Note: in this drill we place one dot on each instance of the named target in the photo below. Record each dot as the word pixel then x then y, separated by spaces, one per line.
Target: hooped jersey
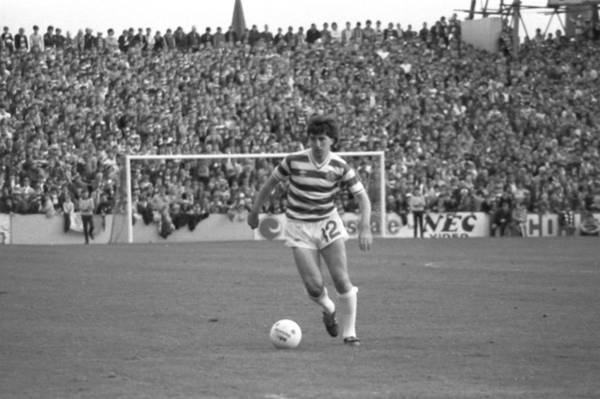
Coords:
pixel 312 186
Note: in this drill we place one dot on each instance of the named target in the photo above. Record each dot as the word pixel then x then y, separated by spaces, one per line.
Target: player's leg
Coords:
pixel 334 255
pixel 306 256
pixel 332 239
pixel 300 237
pixel 307 262
pixel 337 263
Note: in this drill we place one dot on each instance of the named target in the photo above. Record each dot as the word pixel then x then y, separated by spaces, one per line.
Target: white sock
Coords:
pixel 348 312
pixel 324 301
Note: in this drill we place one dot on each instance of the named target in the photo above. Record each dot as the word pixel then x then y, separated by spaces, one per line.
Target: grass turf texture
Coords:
pixel 496 318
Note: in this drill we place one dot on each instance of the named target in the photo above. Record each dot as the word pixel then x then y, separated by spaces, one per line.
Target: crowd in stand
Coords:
pixel 472 131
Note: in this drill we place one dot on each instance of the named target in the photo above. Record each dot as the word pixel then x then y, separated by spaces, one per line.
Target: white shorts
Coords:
pixel 314 235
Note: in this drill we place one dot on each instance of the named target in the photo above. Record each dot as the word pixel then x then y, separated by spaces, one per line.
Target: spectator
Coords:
pixel 59 40
pixel 239 208
pixel 148 41
pixel 49 38
pixel 266 36
pixel 6 40
pixel 86 209
pixel 6 202
pixel 36 41
pixel 357 33
pixel 502 219
pixel 279 40
pixel 111 41
pixel 231 36
pixel 68 208
pixel 21 41
pixel 99 43
pixel 123 41
pixel 390 33
pixel 193 40
pixel 435 108
pixel 89 41
pixel 368 32
pixel 347 34
pixel 158 42
pixel 206 39
pixel 25 198
pixel 378 32
pixel 218 39
pixel 519 218
pixel 325 34
pixel 416 204
pixel 312 34
pixel 290 38
pixel 336 35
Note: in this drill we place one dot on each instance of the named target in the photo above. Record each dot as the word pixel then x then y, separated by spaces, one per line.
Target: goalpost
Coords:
pixel 376 177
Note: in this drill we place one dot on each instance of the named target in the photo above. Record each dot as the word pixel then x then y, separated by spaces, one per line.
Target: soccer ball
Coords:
pixel 285 334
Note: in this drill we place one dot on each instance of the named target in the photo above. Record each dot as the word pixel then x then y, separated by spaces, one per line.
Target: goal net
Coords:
pixel 161 193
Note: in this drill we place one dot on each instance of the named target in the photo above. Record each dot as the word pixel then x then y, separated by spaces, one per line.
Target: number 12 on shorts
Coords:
pixel 330 230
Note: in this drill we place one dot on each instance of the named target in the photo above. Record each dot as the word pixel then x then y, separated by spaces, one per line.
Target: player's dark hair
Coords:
pixel 323 124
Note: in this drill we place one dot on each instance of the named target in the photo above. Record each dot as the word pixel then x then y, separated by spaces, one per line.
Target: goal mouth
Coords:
pixel 233 168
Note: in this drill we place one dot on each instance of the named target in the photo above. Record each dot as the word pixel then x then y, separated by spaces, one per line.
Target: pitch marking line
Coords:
pixel 436 265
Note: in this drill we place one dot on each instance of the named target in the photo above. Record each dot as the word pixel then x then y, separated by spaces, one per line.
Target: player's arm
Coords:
pixel 260 199
pixel 365 238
